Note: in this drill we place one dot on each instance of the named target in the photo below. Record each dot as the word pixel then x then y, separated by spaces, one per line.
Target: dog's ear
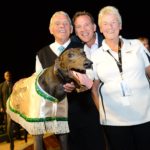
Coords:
pixel 81 50
pixel 61 72
pixel 57 64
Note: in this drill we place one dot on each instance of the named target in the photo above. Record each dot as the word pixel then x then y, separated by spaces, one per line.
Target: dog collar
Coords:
pixel 41 92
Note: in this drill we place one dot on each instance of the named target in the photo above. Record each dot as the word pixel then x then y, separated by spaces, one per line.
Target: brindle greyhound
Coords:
pixel 38 103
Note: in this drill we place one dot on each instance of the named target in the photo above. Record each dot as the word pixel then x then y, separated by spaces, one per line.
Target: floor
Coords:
pixel 50 142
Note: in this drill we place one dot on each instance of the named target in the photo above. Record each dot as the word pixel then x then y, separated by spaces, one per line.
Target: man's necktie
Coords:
pixel 61 49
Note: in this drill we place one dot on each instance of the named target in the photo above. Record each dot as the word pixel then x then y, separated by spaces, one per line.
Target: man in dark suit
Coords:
pixel 85 130
pixel 5 91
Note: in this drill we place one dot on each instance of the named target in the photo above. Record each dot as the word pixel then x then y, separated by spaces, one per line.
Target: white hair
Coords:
pixel 58 13
pixel 109 10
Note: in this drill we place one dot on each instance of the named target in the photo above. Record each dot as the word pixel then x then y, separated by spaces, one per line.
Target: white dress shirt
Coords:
pixel 89 51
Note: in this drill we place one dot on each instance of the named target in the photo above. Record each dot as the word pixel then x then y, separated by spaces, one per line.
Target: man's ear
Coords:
pixel 94 27
pixel 120 26
pixel 50 30
pixel 71 31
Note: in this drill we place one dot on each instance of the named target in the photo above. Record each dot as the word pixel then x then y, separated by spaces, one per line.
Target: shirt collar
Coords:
pixel 95 45
pixel 88 50
pixel 126 45
pixel 64 45
pixel 105 46
pixel 54 46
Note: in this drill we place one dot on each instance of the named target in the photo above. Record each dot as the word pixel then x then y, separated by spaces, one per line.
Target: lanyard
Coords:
pixel 119 63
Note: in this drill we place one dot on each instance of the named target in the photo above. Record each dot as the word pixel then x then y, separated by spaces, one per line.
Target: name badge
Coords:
pixel 125 90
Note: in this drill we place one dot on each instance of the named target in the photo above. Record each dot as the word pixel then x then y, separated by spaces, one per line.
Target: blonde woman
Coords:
pixel 123 99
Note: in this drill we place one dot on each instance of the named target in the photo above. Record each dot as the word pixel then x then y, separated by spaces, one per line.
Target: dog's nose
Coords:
pixel 88 64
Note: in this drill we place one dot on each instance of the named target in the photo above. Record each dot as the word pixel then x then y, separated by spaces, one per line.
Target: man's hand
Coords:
pixel 69 87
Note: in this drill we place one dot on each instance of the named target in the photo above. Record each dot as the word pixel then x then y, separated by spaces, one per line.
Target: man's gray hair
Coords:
pixel 58 13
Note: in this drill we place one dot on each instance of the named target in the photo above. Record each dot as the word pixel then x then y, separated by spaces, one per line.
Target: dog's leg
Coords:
pixel 39 142
pixel 10 132
pixel 25 135
pixel 63 140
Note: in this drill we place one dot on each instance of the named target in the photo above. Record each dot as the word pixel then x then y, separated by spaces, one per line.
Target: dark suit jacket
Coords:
pixel 82 110
pixel 5 91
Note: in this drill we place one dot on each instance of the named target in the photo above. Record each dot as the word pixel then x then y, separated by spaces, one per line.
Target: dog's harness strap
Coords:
pixel 60 75
pixel 41 92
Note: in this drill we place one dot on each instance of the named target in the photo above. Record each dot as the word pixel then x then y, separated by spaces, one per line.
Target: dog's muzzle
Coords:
pixel 88 64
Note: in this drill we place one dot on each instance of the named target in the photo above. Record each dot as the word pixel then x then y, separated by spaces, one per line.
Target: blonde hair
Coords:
pixel 109 10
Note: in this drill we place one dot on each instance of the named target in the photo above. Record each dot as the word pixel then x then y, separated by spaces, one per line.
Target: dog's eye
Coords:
pixel 70 55
pixel 83 53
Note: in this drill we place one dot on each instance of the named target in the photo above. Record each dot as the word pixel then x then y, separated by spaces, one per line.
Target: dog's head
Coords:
pixel 71 61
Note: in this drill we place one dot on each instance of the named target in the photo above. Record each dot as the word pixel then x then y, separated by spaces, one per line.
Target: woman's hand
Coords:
pixel 69 87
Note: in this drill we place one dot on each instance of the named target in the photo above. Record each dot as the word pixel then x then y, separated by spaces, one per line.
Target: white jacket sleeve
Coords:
pixel 38 65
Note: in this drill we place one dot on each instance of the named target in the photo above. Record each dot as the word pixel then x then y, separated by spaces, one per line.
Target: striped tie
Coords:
pixel 60 49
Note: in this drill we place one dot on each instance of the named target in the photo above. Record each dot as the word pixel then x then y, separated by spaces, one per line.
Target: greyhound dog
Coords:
pixel 39 104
